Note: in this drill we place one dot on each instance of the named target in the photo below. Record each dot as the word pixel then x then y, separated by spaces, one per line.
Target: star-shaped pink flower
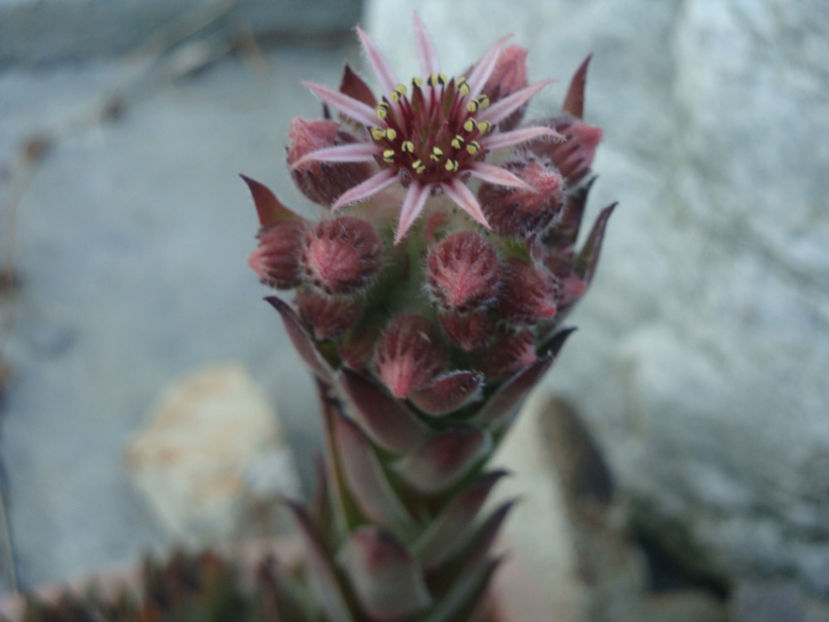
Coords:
pixel 432 135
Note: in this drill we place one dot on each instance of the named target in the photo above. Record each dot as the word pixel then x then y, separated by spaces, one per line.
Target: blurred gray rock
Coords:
pixel 702 358
pixel 212 460
pixel 38 31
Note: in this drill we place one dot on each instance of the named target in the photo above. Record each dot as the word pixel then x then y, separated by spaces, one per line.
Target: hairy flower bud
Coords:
pixel 341 255
pixel 328 316
pixel 508 77
pixel 276 259
pixel 466 330
pixel 567 285
pixel 409 354
pixel 323 182
pixel 462 272
pixel 518 212
pixel 526 295
pixel 507 354
pixel 574 155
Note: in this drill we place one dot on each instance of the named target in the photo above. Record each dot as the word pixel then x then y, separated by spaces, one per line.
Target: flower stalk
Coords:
pixel 428 301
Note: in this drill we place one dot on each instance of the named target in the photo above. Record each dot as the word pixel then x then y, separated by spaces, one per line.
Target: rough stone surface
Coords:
pixel 701 360
pixel 130 240
pixel 212 460
pixel 49 31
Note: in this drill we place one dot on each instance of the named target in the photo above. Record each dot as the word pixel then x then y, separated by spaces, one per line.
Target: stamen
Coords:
pixel 391 134
pixel 470 125
pixel 416 83
pixel 473 147
pixel 418 166
pixel 457 141
pixel 378 133
pixel 407 146
pixel 451 165
pixel 479 103
pixel 484 126
pixel 442 79
pixel 436 154
pixel 463 86
pixel 398 92
pixel 382 110
pixel 388 155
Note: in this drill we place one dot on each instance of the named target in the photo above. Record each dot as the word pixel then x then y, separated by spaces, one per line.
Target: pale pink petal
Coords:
pixel 411 208
pixel 349 106
pixel 425 49
pixel 370 186
pixel 352 152
pixel 460 194
pixel 505 107
pixel 384 73
pixel 515 137
pixel 497 175
pixel 480 73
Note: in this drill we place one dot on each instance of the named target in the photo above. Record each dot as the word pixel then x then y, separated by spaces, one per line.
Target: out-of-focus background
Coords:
pixel 129 321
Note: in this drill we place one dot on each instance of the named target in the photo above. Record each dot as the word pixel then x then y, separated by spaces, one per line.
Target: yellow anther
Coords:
pixel 382 110
pixel 484 126
pixel 407 146
pixel 378 133
pixel 388 155
pixel 451 165
pixel 442 79
pixel 483 101
pixel 470 124
pixel 417 83
pixel 473 147
pixel 472 107
pixel 436 154
pixel 457 141
pixel 391 134
pixel 463 86
pixel 418 166
pixel 400 90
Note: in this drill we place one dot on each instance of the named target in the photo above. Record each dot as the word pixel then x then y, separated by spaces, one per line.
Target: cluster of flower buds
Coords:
pixel 433 305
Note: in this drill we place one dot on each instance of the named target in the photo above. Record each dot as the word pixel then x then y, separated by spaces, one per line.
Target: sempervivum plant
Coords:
pixel 428 302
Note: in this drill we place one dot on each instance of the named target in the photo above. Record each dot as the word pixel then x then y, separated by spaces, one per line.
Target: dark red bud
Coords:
pixel 509 76
pixel 526 295
pixel 409 354
pixel 518 212
pixel 276 259
pixel 463 272
pixel 341 255
pixel 507 354
pixel 467 330
pixel 328 316
pixel 323 182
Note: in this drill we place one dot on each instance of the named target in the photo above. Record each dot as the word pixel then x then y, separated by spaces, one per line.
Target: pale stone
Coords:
pixel 211 460
pixel 701 360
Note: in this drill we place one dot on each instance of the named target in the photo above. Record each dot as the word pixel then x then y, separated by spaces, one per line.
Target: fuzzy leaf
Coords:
pixel 322 576
pixel 588 258
pixel 566 231
pixel 388 581
pixel 365 477
pixel 354 86
pixel 440 540
pixel 269 209
pixel 448 392
pixel 301 339
pixel 386 420
pixel 444 458
pixel 574 100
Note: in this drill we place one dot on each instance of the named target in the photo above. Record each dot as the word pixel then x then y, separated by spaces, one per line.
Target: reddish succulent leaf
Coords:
pixel 386 420
pixel 588 258
pixel 440 540
pixel 567 229
pixel 479 544
pixel 462 598
pixel 444 458
pixel 365 477
pixel 322 575
pixel 574 100
pixel 509 395
pixel 448 392
pixel 301 339
pixel 354 86
pixel 388 581
pixel 269 209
